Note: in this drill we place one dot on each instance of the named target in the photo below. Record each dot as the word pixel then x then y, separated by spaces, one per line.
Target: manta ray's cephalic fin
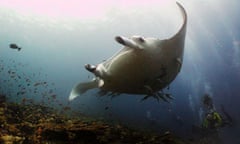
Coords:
pixel 127 42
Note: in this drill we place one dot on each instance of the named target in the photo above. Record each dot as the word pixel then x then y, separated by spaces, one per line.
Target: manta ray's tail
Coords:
pixel 83 87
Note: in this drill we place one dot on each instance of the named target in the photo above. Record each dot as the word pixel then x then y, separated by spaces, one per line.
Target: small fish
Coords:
pixel 54 96
pixel 21 93
pixel 15 46
pixel 50 91
pixel 36 84
pixel 66 108
pixel 24 100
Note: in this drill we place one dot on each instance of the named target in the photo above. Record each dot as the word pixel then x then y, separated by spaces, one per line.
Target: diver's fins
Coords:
pixel 83 87
pixel 229 118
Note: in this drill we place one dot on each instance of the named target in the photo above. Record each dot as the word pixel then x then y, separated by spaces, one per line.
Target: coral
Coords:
pixel 39 124
pixel 9 139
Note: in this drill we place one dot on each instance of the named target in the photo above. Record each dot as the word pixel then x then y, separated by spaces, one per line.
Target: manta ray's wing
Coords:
pixel 83 87
pixel 177 41
pixel 182 32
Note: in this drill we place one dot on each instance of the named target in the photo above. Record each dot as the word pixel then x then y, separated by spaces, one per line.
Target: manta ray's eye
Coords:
pixel 141 39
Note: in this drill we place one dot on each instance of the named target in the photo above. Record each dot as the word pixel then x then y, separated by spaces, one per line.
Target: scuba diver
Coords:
pixel 213 119
pixel 212 122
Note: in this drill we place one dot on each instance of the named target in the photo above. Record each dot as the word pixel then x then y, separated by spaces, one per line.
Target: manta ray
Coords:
pixel 144 66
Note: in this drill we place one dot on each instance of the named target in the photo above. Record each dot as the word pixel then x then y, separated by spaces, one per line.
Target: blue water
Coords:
pixel 54 50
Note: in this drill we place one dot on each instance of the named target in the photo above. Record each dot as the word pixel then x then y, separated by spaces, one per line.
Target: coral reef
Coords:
pixel 31 123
